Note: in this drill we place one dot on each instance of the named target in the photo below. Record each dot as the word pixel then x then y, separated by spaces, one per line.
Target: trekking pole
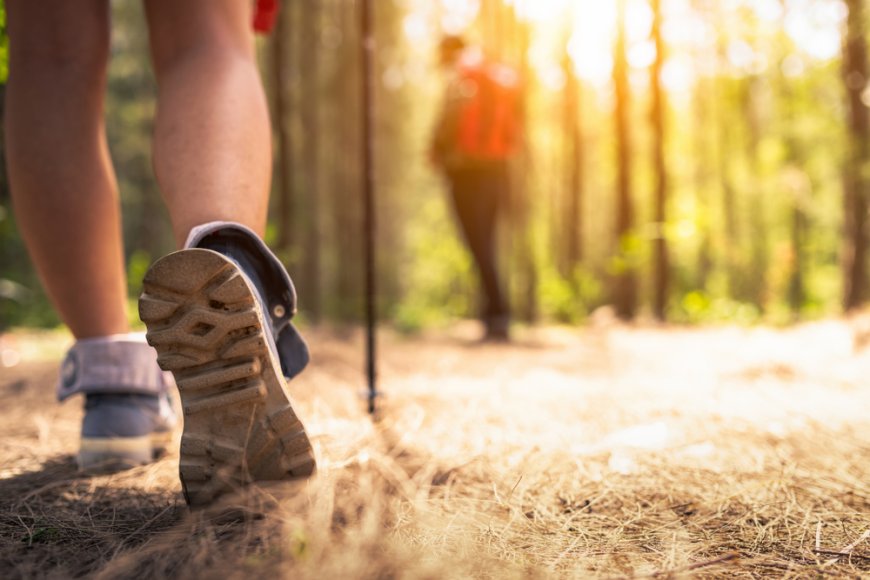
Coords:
pixel 368 49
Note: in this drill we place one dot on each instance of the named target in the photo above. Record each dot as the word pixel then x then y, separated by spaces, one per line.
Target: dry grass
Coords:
pixel 608 453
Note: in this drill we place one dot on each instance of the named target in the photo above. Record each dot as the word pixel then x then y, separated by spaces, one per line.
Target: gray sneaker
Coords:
pixel 129 419
pixel 120 431
pixel 218 315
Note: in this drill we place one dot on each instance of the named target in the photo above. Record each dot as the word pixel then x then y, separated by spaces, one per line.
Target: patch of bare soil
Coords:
pixel 610 452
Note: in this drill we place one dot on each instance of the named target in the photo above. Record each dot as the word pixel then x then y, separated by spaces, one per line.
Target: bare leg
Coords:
pixel 212 148
pixel 63 187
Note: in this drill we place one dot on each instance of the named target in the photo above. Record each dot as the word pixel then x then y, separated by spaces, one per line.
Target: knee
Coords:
pixel 211 46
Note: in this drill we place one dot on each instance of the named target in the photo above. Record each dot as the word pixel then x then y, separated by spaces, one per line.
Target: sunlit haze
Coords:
pixel 808 30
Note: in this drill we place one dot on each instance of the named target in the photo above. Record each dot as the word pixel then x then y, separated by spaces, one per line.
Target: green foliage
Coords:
pixel 632 248
pixel 569 299
pixel 4 46
pixel 558 299
pixel 699 307
pixel 22 301
pixel 137 265
pixel 438 276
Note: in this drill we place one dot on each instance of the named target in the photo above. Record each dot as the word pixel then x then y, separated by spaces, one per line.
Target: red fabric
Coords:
pixel 265 15
pixel 488 118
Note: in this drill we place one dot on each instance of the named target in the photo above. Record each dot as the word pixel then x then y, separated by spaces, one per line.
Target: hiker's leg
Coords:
pixel 462 191
pixel 475 203
pixel 212 150
pixel 491 195
pixel 63 187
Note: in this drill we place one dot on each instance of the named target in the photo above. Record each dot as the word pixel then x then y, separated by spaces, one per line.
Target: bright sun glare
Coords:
pixel 812 26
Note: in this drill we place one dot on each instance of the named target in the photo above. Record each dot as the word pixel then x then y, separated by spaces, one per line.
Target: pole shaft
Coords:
pixel 368 49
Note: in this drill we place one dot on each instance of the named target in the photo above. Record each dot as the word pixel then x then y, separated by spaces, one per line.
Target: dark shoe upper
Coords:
pixel 275 290
pixel 127 415
pixel 127 394
pixel 497 329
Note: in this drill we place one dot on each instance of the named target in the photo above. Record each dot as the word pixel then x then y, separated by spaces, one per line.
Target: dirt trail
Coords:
pixel 607 452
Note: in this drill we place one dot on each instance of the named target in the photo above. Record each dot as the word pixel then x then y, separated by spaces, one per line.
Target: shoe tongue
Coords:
pixel 274 288
pixel 266 271
pixel 251 268
pixel 235 246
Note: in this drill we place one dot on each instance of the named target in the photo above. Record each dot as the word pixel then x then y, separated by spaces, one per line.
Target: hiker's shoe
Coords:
pixel 497 329
pixel 213 312
pixel 128 419
pixel 121 431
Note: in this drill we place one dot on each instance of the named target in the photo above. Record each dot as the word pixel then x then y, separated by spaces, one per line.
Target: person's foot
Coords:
pixel 120 431
pixel 128 416
pixel 497 329
pixel 206 319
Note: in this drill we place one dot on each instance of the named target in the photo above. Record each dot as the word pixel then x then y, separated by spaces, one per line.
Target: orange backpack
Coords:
pixel 488 127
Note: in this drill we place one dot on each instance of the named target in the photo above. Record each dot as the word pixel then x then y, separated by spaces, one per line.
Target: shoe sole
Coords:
pixel 239 424
pixel 110 454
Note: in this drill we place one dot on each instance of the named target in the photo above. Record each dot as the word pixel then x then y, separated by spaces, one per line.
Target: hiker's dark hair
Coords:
pixel 451 44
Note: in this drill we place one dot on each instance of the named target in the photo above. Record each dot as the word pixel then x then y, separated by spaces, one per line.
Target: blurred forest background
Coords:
pixel 687 160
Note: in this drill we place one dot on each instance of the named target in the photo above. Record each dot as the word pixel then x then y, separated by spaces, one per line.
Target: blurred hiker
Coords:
pixel 218 311
pixel 473 140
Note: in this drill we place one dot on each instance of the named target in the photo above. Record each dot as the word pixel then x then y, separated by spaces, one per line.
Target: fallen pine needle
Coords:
pixel 850 547
pixel 731 556
pixel 842 554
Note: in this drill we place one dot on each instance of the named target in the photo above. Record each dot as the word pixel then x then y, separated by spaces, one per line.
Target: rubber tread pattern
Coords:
pixel 207 328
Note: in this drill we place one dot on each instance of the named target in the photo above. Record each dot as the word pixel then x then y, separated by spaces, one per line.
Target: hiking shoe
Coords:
pixel 120 431
pixel 497 329
pixel 207 318
pixel 128 415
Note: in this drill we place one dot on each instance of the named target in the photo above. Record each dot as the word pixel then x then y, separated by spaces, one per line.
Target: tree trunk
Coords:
pixel 755 277
pixel 573 210
pixel 855 178
pixel 625 284
pixel 724 119
pixel 347 210
pixel 311 117
pixel 281 39
pixel 796 291
pixel 489 15
pixel 660 249
pixel 800 197
pixel 703 165
pixel 528 268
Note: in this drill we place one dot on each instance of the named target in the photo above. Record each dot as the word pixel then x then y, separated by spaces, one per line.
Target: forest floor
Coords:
pixel 610 451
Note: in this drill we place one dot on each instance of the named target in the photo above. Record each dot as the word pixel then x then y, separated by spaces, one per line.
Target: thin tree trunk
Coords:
pixel 796 291
pixel 660 249
pixel 703 163
pixel 284 156
pixel 755 280
pixel 527 263
pixel 573 210
pixel 625 290
pixel 348 212
pixel 485 15
pixel 520 274
pixel 311 115
pixel 800 196
pixel 732 230
pixel 4 183
pixel 858 157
